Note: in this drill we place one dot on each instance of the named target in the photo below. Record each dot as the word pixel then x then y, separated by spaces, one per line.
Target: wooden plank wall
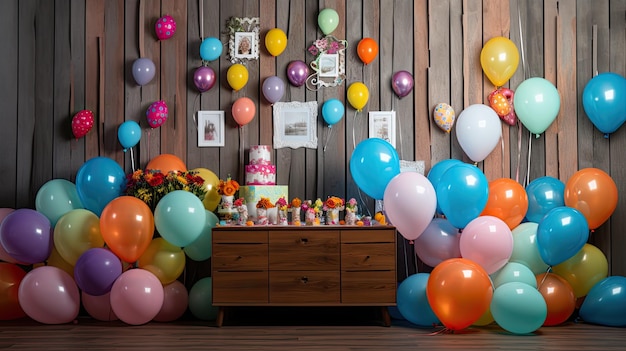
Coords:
pixel 62 56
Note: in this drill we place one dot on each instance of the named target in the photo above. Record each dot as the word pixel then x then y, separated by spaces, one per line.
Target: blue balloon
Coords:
pixel 210 49
pixel 544 194
pixel 561 234
pixel 332 111
pixel 462 193
pixel 373 164
pixel 413 303
pixel 437 170
pixel 518 307
pixel 98 181
pixel 129 134
pixel 605 304
pixel 604 101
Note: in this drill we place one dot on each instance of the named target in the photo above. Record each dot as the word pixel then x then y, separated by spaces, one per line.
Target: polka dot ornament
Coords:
pixel 165 27
pixel 444 116
pixel 157 113
pixel 82 122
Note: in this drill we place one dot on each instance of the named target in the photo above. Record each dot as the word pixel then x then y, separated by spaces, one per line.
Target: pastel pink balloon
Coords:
pixel 439 241
pixel 137 296
pixel 49 295
pixel 488 241
pixel 175 302
pixel 99 307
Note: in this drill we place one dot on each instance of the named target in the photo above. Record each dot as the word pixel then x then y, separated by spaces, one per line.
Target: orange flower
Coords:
pixel 296 202
pixel 264 202
pixel 228 187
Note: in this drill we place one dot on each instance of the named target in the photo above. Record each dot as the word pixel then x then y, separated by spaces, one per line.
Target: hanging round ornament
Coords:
pixel 501 101
pixel 165 27
pixel 82 122
pixel 157 113
pixel 444 116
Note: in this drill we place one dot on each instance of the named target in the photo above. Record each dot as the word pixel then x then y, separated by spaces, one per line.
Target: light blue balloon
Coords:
pixel 605 304
pixel 462 193
pixel 544 194
pixel 437 170
pixel 332 111
pixel 373 164
pixel 129 134
pixel 525 249
pixel 210 49
pixel 201 249
pixel 604 101
pixel 412 301
pixel 514 272
pixel 518 308
pixel 561 234
pixel 180 217
pixel 98 181
pixel 201 300
pixel 56 198
pixel 537 103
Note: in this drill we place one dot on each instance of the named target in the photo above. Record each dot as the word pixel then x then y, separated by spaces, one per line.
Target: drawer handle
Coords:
pixel 304 241
pixel 304 280
pixel 367 257
pixel 239 257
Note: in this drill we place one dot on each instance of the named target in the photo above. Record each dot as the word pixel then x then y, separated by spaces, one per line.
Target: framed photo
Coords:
pixel 382 124
pixel 246 45
pixel 244 39
pixel 329 65
pixel 295 124
pixel 210 128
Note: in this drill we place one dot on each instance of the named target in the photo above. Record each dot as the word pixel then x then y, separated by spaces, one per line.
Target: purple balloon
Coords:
pixel 402 83
pixel 297 72
pixel 439 241
pixel 273 89
pixel 26 235
pixel 204 78
pixel 96 270
pixel 143 71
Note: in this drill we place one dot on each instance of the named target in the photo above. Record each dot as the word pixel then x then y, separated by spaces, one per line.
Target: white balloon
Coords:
pixel 478 131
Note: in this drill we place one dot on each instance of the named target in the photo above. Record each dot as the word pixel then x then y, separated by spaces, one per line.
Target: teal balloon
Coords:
pixel 518 308
pixel 561 234
pixel 211 49
pixel 374 162
pixel 544 194
pixel 605 304
pixel 129 134
pixel 201 249
pixel 412 302
pixel 98 181
pixel 437 170
pixel 604 101
pixel 180 217
pixel 328 20
pixel 462 194
pixel 201 298
pixel 525 249
pixel 537 103
pixel 56 198
pixel 514 272
pixel 332 111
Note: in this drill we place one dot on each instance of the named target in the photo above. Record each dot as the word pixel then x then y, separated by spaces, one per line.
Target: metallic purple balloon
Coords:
pixel 297 72
pixel 204 78
pixel 402 83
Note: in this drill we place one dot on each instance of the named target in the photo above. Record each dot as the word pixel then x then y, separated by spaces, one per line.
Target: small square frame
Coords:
pixel 246 46
pixel 295 124
pixel 241 30
pixel 382 124
pixel 210 128
pixel 329 65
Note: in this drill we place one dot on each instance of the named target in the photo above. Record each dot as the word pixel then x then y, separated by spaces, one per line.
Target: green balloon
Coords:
pixel 328 19
pixel 525 249
pixel 202 248
pixel 537 103
pixel 200 300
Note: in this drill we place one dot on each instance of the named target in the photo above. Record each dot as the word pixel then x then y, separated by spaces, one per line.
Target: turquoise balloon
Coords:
pixel 211 49
pixel 328 20
pixel 200 300
pixel 605 304
pixel 438 169
pixel 412 301
pixel 56 198
pixel 525 249
pixel 604 101
pixel 544 194
pixel 332 111
pixel 561 234
pixel 514 272
pixel 180 217
pixel 98 181
pixel 129 134
pixel 537 103
pixel 373 164
pixel 518 308
pixel 201 249
pixel 462 194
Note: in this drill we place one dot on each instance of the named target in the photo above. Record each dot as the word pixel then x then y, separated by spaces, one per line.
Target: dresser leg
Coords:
pixel 386 316
pixel 220 317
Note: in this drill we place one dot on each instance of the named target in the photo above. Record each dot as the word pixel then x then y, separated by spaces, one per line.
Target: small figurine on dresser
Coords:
pixel 332 206
pixel 261 211
pixel 242 209
pixel 281 208
pixel 295 211
pixel 351 210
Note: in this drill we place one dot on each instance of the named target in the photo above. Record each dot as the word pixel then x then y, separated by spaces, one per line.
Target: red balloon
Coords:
pixel 243 111
pixel 82 122
pixel 10 278
pixel 166 163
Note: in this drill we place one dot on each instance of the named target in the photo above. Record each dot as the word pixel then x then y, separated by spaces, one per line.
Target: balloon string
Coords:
pixel 201 18
pixel 330 132
pixel 132 160
pixel 521 38
pixel 195 122
pixel 545 276
pixel 530 147
pixel 519 153
pixel 442 331
pixel 363 202
pixel 353 132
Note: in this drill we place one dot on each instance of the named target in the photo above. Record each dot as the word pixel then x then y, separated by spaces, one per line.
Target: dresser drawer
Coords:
pixel 239 257
pixel 310 250
pixel 368 287
pixel 304 287
pixel 240 287
pixel 378 256
pixel 227 236
pixel 369 236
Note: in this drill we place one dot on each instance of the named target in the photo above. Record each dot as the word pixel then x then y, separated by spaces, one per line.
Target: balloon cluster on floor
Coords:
pixel 88 243
pixel 500 252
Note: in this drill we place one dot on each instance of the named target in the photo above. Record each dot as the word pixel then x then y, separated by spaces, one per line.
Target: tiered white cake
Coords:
pixel 260 170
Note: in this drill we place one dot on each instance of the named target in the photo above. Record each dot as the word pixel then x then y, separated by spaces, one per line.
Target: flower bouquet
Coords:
pixel 261 210
pixel 150 186
pixel 351 210
pixel 332 206
pixel 295 211
pixel 242 209
pixel 281 206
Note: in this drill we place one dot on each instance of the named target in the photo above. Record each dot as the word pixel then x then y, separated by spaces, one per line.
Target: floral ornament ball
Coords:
pixel 444 116
pixel 165 27
pixel 157 114
pixel 82 122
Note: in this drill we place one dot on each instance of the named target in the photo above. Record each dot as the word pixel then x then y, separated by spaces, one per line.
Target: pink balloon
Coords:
pixel 157 114
pixel 165 27
pixel 410 203
pixel 137 296
pixel 82 122
pixel 204 78
pixel 488 241
pixel 439 241
pixel 243 111
pixel 49 295
pixel 99 307
pixel 175 302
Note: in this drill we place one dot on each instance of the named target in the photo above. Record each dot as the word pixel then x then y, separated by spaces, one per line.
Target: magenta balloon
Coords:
pixel 297 72
pixel 273 89
pixel 438 242
pixel 204 78
pixel 96 270
pixel 26 235
pixel 402 83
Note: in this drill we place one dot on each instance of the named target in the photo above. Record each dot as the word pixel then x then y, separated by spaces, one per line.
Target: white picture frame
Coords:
pixel 243 30
pixel 246 46
pixel 329 65
pixel 382 124
pixel 211 128
pixel 295 124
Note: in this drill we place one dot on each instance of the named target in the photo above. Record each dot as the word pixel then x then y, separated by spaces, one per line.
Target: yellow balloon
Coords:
pixel 164 260
pixel 211 182
pixel 358 94
pixel 275 41
pixel 499 59
pixel 485 319
pixel 583 270
pixel 237 76
pixel 76 232
pixel 55 260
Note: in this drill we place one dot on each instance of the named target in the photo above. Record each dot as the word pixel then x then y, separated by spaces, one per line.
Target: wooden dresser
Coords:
pixel 304 266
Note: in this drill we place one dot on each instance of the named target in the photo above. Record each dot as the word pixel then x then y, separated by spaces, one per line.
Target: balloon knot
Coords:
pixel 411 242
pixel 537 136
pixel 606 135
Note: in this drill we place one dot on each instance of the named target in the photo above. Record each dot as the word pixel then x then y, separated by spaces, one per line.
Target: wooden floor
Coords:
pixel 297 334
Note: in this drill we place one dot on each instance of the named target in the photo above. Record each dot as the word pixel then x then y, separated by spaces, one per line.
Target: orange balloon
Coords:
pixel 367 49
pixel 559 297
pixel 166 163
pixel 507 200
pixel 594 193
pixel 127 227
pixel 459 292
pixel 10 278
pixel 243 111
